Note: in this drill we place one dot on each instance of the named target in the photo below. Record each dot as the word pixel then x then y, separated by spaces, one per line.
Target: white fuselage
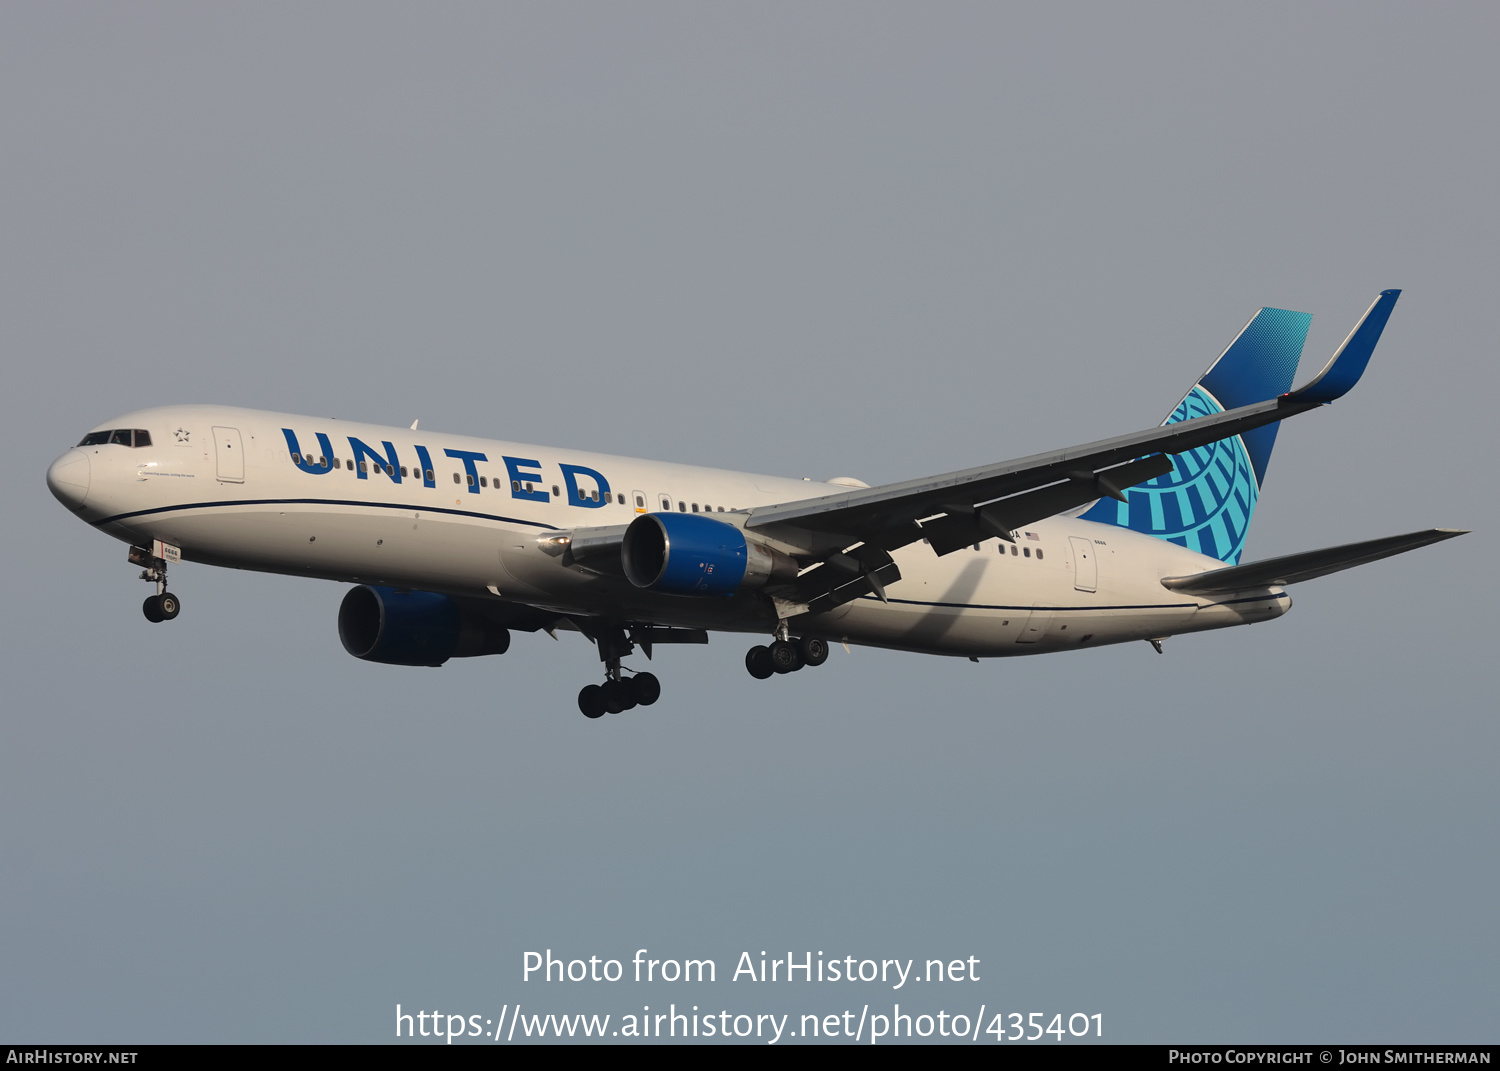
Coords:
pixel 222 484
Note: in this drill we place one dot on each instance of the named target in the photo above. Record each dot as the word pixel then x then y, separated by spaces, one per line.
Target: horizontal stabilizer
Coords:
pixel 1305 566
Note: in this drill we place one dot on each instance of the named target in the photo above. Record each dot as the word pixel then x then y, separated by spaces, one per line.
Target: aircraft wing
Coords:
pixel 887 515
pixel 1291 568
pixel 967 506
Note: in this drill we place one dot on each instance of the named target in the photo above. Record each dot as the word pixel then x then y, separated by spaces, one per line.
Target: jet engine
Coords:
pixel 414 628
pixel 690 554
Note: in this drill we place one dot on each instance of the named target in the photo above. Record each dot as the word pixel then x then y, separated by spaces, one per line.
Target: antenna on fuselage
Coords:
pixel 414 423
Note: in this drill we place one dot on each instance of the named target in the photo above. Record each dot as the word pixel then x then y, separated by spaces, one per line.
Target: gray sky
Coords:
pixel 836 239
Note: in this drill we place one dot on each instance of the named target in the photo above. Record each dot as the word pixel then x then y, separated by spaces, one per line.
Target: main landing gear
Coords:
pixel 618 693
pixel 163 606
pixel 786 655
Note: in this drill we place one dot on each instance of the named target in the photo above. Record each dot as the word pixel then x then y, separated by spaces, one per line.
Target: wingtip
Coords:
pixel 1347 365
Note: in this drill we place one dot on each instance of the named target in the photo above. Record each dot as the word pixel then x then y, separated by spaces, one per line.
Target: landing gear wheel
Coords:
pixel 647 688
pixel 785 658
pixel 169 605
pixel 813 649
pixel 591 701
pixel 758 662
pixel 618 696
pixel 152 609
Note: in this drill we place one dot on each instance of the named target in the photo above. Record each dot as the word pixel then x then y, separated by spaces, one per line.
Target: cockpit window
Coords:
pixel 119 436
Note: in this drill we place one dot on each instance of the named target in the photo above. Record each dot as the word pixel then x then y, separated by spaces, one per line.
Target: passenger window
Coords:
pixel 322 462
pixel 1013 550
pixel 682 507
pixel 640 502
pixel 296 458
pixel 484 481
pixel 721 509
pixel 456 479
pixel 555 492
pixel 142 437
pixel 594 494
pixel 470 479
pixel 403 471
pixel 121 437
pixel 95 438
pixel 1026 551
pixel 666 504
pixel 695 507
pixel 429 477
pixel 620 498
pixel 364 466
pixel 390 470
pixel 1038 553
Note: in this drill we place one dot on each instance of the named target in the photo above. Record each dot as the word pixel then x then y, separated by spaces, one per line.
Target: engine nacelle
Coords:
pixel 414 628
pixel 690 554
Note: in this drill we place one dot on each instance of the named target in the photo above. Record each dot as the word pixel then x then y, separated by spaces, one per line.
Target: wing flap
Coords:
pixel 962 525
pixel 1292 568
pixel 840 578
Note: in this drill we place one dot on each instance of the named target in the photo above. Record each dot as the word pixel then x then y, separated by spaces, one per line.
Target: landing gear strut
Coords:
pixel 163 606
pixel 618 693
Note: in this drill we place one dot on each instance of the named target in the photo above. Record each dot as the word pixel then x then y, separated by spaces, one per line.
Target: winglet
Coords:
pixel 1348 364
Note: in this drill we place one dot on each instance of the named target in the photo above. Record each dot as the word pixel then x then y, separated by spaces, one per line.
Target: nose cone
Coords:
pixel 68 479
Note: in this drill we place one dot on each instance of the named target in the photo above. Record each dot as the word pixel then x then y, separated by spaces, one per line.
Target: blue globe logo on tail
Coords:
pixel 1206 501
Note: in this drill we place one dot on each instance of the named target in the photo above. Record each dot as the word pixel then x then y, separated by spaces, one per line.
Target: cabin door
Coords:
pixel 1085 568
pixel 231 455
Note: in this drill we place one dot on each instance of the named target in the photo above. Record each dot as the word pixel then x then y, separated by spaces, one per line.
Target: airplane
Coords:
pixel 455 542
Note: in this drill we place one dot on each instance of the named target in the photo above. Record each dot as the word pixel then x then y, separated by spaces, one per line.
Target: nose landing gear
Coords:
pixel 163 606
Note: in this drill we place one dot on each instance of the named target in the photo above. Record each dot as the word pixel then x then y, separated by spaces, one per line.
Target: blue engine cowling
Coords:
pixel 413 628
pixel 690 554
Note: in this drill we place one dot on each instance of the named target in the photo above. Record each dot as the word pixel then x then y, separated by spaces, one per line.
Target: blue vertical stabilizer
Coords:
pixel 1206 501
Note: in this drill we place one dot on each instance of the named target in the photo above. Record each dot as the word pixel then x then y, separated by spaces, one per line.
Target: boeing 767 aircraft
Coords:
pixel 454 542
